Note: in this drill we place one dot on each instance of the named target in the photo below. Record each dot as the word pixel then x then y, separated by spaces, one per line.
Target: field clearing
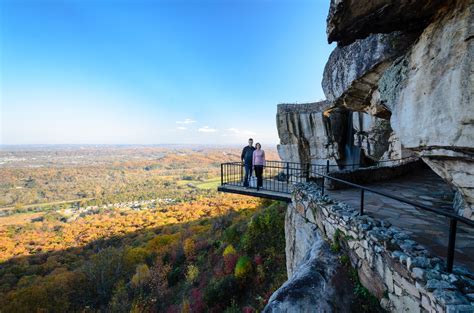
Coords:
pixel 19 219
pixel 203 185
pixel 209 184
pixel 40 205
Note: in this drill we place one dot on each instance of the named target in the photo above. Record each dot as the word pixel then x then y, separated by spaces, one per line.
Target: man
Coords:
pixel 247 157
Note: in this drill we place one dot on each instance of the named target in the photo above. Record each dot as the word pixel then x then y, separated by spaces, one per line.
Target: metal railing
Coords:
pixel 279 175
pixel 453 218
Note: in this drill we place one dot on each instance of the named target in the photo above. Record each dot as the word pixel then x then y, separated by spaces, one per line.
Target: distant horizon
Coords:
pixel 210 72
pixel 126 144
pixel 38 145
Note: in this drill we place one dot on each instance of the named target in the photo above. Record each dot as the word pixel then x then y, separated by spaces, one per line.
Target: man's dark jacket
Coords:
pixel 247 155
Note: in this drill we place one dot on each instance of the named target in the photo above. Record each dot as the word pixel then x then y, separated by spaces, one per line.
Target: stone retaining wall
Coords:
pixel 399 271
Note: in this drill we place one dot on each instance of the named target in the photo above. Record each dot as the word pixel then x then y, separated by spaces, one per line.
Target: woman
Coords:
pixel 258 163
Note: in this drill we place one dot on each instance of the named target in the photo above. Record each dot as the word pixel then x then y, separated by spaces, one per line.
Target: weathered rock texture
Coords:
pixel 313 133
pixel 430 89
pixel 306 135
pixel 372 134
pixel 349 20
pixel 407 62
pixel 430 94
pixel 352 72
pixel 458 170
pixel 399 271
pixel 408 65
pixel 311 269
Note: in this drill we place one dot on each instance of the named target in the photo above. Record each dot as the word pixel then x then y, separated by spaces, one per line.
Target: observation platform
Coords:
pixel 277 178
pixel 419 202
pixel 272 189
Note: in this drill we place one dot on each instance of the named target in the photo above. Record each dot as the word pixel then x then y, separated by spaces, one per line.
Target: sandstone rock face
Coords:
pixel 430 94
pixel 312 269
pixel 303 133
pixel 352 72
pixel 372 134
pixel 313 133
pixel 396 151
pixel 430 90
pixel 412 66
pixel 457 170
pixel 349 20
pixel 300 238
pixel 309 289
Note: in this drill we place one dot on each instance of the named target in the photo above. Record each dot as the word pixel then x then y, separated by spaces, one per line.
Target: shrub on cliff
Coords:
pixel 103 271
pixel 221 291
pixel 229 250
pixel 134 256
pixel 141 277
pixel 192 273
pixel 230 259
pixel 233 234
pixel 120 302
pixel 265 230
pixel 243 268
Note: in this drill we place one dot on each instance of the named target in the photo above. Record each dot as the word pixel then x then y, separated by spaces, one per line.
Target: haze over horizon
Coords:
pixel 144 72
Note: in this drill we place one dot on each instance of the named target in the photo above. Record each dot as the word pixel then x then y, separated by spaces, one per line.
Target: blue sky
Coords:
pixel 150 72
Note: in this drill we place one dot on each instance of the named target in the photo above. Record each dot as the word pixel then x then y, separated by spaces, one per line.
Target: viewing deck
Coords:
pixel 277 178
pixel 272 189
pixel 419 202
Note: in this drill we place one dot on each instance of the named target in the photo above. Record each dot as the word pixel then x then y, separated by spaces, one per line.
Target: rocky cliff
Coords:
pixel 311 268
pixel 400 82
pixel 400 272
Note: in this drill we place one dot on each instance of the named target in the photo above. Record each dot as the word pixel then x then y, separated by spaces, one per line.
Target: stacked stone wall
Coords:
pixel 396 269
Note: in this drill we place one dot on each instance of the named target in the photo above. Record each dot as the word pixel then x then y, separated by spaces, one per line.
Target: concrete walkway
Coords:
pixel 429 229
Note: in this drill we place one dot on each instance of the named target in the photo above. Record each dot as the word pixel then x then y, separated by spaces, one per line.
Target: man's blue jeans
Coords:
pixel 248 174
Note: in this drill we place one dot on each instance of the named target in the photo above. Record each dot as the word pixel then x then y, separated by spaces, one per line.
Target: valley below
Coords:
pixel 133 229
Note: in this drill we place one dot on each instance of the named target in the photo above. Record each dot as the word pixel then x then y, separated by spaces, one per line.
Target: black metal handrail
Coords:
pixel 281 173
pixel 277 175
pixel 453 218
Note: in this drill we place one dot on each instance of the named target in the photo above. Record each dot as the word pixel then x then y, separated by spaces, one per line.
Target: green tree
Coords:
pixel 103 271
pixel 120 302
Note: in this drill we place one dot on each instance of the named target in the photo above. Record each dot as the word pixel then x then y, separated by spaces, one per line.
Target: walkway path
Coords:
pixel 427 228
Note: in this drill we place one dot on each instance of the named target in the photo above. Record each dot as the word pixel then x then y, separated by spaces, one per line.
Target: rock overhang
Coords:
pixel 349 20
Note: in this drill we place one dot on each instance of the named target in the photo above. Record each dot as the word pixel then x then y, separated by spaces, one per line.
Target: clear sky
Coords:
pixel 150 72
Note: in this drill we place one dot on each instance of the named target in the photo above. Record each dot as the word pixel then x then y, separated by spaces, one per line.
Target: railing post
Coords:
pixel 451 244
pixel 327 166
pixel 287 172
pixel 307 172
pixel 362 202
pixel 222 174
pixel 322 187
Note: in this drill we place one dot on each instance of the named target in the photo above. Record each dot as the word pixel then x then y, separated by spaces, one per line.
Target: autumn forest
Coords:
pixel 133 229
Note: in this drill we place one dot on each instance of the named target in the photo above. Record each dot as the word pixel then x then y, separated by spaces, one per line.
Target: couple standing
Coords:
pixel 253 158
